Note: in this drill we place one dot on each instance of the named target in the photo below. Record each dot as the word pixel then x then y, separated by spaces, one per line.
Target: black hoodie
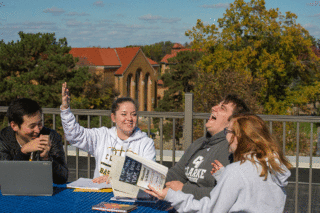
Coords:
pixel 193 169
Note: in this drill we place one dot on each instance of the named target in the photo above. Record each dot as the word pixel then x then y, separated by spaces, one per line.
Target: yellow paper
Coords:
pixel 92 190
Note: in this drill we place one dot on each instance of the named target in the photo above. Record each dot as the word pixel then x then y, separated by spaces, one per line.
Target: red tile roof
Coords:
pixel 178 46
pixel 125 55
pixel 160 82
pixel 96 56
pixel 173 54
pixel 152 62
pixel 121 57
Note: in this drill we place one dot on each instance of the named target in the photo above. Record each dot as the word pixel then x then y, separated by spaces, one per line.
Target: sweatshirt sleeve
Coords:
pixel 83 138
pixel 196 190
pixel 149 151
pixel 217 174
pixel 176 173
pixel 221 199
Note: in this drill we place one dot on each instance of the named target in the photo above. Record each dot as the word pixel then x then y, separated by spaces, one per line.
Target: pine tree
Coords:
pixel 36 66
pixel 179 79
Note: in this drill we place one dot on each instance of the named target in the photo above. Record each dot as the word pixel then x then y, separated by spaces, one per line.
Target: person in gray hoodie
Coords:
pixel 192 173
pixel 254 183
pixel 103 142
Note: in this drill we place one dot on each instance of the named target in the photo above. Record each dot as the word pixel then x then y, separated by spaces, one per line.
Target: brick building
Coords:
pixel 128 69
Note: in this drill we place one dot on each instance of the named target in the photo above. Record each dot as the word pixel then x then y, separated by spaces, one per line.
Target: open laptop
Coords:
pixel 30 178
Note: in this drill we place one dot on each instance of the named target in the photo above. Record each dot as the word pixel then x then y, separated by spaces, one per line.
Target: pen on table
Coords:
pixel 31 157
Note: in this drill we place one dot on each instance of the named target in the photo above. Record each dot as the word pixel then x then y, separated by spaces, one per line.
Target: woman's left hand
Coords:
pixel 101 179
pixel 158 194
pixel 216 166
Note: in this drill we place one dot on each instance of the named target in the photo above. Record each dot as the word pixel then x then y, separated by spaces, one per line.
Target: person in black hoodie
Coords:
pixel 191 174
pixel 27 139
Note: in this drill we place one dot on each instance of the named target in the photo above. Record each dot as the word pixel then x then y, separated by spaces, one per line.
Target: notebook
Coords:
pixel 31 178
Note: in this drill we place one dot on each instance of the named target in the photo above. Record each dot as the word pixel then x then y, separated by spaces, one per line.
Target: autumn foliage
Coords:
pixel 263 55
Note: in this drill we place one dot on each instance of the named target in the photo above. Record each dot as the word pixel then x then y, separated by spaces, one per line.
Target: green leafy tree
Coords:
pixel 265 47
pixel 212 88
pixel 315 44
pixel 36 66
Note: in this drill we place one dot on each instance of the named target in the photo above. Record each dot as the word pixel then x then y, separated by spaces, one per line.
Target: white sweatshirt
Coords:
pixel 239 189
pixel 103 142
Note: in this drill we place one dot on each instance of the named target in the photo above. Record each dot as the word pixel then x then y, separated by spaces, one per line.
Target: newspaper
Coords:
pixel 135 175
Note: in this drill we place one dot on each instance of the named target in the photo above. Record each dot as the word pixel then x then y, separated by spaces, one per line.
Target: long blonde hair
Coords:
pixel 255 141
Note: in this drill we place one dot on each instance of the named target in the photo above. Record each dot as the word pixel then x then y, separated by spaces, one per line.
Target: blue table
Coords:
pixel 65 200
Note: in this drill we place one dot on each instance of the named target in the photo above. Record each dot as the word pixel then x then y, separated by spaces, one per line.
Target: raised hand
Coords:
pixel 216 165
pixel 65 97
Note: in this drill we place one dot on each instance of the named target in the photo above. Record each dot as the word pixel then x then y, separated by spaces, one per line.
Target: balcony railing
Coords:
pixel 281 121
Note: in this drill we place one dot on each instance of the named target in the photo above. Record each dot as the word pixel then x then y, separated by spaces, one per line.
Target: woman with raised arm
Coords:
pixel 253 183
pixel 103 142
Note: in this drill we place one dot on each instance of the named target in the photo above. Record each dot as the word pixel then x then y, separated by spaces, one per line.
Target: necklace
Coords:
pixel 18 142
pixel 31 154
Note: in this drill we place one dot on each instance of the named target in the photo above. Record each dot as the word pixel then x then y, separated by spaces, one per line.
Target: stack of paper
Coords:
pixel 86 183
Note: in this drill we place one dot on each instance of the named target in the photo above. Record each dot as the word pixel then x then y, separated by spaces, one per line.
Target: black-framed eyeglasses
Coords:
pixel 226 131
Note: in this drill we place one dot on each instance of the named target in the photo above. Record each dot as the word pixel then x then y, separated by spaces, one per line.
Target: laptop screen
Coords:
pixel 32 178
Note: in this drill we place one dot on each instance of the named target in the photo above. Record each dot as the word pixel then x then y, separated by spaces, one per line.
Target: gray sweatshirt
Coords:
pixel 193 169
pixel 239 189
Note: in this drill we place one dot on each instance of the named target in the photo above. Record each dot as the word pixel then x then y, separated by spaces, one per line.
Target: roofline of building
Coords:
pixel 134 58
pixel 155 72
pixel 100 66
pixel 129 63
pixel 118 66
pixel 115 50
pixel 166 63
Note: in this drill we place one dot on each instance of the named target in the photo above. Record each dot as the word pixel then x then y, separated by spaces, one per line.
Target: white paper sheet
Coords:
pixel 86 183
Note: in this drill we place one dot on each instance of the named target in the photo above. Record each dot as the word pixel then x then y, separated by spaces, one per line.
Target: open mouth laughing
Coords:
pixel 212 117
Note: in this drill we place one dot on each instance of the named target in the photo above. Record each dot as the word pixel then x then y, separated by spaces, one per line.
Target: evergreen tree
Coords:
pixel 36 66
pixel 180 79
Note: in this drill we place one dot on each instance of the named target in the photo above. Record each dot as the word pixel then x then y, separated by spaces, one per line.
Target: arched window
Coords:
pixel 129 85
pixel 137 85
pixel 146 87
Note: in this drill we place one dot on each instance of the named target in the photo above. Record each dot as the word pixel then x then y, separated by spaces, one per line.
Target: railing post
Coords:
pixel 318 142
pixel 89 156
pixel 188 120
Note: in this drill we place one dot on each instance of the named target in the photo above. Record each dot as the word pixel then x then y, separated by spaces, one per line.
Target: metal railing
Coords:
pixel 189 116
